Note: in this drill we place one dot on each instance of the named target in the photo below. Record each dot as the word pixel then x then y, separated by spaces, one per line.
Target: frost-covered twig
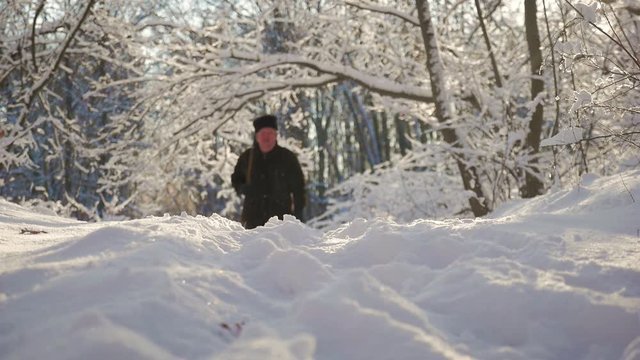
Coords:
pixel 592 23
pixel 571 136
pixel 376 84
pixel 44 79
pixel 384 10
pixel 633 199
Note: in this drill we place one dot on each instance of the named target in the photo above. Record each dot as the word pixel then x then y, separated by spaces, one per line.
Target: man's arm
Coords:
pixel 239 176
pixel 297 187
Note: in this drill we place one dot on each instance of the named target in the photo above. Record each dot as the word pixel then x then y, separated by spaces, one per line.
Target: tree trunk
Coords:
pixel 533 185
pixel 435 67
pixel 359 126
pixel 384 136
pixel 404 145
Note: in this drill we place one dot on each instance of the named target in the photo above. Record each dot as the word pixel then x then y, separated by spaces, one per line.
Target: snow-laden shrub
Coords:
pixel 418 186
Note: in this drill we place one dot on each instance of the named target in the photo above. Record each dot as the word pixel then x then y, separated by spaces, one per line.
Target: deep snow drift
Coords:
pixel 555 277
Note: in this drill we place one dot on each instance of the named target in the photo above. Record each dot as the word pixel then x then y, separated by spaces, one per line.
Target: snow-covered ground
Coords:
pixel 555 277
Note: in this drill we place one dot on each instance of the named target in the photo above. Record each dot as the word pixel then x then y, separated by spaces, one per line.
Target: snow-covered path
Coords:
pixel 555 277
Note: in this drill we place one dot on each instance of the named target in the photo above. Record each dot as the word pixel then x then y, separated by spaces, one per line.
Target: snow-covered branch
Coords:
pixel 244 96
pixel 47 75
pixel 384 10
pixel 380 85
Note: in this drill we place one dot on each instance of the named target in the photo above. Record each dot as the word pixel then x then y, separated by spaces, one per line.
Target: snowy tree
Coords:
pixel 40 119
pixel 58 138
pixel 597 55
pixel 147 107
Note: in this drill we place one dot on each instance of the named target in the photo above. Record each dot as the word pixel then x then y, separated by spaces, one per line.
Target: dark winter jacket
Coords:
pixel 272 185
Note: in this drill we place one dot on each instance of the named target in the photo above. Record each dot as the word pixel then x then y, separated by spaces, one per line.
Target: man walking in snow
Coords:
pixel 269 176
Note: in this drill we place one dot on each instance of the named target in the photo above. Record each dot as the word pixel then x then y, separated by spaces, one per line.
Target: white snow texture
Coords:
pixel 554 277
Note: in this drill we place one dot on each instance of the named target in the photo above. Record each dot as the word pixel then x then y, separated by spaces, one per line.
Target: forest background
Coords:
pixel 399 109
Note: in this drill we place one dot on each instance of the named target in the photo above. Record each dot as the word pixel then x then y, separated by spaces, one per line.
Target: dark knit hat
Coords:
pixel 265 121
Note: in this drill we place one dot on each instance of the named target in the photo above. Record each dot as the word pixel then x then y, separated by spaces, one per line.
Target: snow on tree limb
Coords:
pixel 588 12
pixel 245 95
pixel 379 85
pixel 384 10
pixel 40 83
pixel 566 136
pixel 583 98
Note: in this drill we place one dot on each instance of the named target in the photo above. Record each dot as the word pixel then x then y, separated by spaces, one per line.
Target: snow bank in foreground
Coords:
pixel 555 277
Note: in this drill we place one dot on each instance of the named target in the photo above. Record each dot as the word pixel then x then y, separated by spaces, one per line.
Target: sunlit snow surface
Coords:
pixel 555 277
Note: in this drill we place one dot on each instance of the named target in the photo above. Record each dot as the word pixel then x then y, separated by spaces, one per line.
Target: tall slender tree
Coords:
pixel 443 110
pixel 533 185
